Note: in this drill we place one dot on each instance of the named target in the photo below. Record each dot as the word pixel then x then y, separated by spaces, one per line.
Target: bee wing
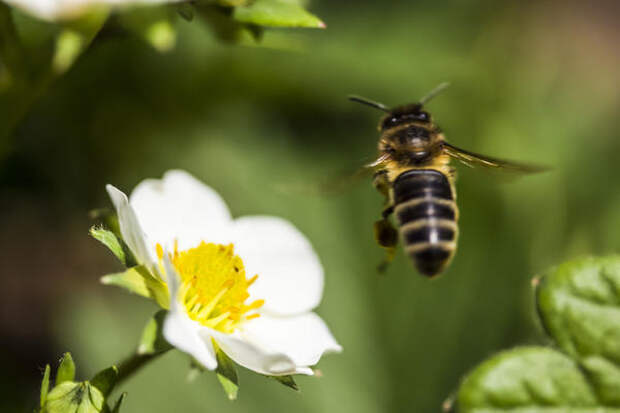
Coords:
pixel 343 181
pixel 334 184
pixel 472 159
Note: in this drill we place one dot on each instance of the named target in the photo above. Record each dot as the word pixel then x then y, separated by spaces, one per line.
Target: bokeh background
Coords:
pixel 535 81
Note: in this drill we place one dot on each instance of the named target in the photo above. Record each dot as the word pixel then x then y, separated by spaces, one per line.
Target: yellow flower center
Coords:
pixel 213 286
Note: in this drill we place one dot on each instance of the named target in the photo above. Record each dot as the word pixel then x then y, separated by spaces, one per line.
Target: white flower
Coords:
pixel 249 284
pixel 69 9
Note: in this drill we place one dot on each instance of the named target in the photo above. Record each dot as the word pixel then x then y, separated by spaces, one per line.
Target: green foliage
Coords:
pixel 75 397
pixel 119 402
pixel 105 380
pixel 277 13
pixel 45 385
pixel 155 25
pixel 579 305
pixel 66 370
pixel 139 280
pixel 68 395
pixel 226 373
pixel 288 381
pixel 114 244
pixel 152 340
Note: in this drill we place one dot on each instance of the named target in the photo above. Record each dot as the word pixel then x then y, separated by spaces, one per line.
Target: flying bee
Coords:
pixel 413 172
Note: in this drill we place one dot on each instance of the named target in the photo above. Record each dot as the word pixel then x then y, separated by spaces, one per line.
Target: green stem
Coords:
pixel 132 364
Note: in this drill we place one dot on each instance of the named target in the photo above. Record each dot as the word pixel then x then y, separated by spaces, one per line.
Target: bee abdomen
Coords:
pixel 426 213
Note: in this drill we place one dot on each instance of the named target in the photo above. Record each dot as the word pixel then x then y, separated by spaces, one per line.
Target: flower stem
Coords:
pixel 133 363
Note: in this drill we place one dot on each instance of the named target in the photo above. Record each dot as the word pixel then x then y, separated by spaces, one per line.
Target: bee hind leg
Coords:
pixel 387 237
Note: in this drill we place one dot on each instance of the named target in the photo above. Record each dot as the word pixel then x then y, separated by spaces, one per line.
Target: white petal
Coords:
pixel 304 338
pixel 131 230
pixel 180 207
pixel 254 357
pixel 290 275
pixel 69 9
pixel 181 331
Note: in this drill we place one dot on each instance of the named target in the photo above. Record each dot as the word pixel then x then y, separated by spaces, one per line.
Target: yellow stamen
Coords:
pixel 213 285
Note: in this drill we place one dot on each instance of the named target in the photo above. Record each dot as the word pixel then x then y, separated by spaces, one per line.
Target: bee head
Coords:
pixel 404 114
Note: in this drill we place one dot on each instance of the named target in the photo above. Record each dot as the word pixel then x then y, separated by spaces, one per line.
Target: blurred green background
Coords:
pixel 535 81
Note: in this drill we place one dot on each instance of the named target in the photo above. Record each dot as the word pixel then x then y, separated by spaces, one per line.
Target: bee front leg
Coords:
pixel 387 237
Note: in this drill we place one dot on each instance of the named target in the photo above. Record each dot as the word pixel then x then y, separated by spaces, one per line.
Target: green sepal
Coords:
pixel 70 396
pixel 224 27
pixel 527 379
pixel 139 280
pixel 45 385
pixel 114 244
pixel 277 13
pixel 117 405
pixel 152 340
pixel 288 381
pixel 105 380
pixel 226 373
pixel 108 218
pixel 66 369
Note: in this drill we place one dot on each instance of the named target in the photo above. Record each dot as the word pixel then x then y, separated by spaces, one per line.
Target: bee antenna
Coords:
pixel 369 102
pixel 438 89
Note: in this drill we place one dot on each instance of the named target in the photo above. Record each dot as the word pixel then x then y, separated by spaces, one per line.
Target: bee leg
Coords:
pixel 380 182
pixel 387 237
pixel 387 211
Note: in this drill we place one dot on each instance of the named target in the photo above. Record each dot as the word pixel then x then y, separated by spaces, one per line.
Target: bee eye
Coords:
pixel 391 121
pixel 423 116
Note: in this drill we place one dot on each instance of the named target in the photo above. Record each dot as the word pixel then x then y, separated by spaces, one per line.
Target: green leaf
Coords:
pixel 45 385
pixel 152 340
pixel 75 397
pixel 66 370
pixel 114 244
pixel 226 373
pixel 277 13
pixel 105 380
pixel 117 405
pixel 579 306
pixel 605 376
pixel 527 379
pixel 288 381
pixel 139 280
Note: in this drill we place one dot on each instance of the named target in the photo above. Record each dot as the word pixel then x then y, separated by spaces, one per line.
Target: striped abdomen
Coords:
pixel 426 213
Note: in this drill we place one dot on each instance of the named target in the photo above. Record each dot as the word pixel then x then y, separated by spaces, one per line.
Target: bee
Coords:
pixel 414 174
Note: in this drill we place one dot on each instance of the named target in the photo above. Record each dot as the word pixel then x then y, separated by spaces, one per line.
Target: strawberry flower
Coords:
pixel 246 286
